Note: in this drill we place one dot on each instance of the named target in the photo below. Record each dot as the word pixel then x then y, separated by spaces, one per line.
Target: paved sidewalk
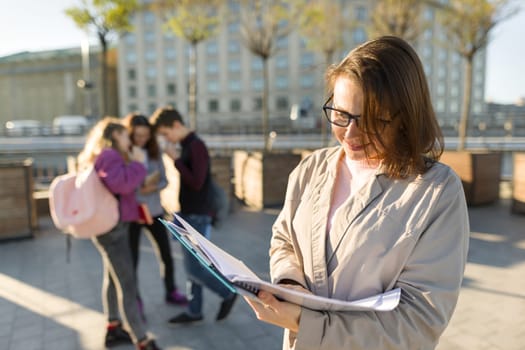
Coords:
pixel 46 303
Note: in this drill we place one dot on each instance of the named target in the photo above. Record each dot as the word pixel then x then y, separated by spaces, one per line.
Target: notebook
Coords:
pixel 239 278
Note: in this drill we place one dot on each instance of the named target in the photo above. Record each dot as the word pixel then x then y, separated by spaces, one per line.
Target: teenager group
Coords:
pixel 127 157
pixel 376 212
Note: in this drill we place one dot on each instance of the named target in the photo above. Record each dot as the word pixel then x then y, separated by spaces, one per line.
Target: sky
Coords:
pixel 33 25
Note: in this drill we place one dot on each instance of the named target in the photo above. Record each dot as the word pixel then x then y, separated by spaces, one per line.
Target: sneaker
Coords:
pixel 226 307
pixel 150 345
pixel 177 298
pixel 140 305
pixel 185 318
pixel 116 335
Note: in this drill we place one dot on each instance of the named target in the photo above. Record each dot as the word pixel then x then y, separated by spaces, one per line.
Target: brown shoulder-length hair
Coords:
pixel 397 115
pixel 101 136
pixel 131 121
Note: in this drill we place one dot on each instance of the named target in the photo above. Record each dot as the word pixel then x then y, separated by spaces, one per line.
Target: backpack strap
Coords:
pixel 68 248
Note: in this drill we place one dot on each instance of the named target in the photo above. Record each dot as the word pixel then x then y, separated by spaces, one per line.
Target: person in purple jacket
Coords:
pixel 108 149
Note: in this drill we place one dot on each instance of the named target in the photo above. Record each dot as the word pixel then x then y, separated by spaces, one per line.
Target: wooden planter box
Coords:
pixel 17 207
pixel 518 183
pixel 261 178
pixel 480 174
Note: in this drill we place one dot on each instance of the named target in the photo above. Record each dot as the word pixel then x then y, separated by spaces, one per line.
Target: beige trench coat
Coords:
pixel 411 234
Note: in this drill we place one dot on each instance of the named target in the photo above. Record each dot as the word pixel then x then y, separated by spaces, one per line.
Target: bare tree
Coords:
pixel 263 22
pixel 107 18
pixel 322 24
pixel 467 24
pixel 401 18
pixel 194 21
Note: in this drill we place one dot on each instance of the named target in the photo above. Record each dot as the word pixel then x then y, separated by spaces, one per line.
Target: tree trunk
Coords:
pixel 103 76
pixel 465 109
pixel 325 133
pixel 192 87
pixel 265 109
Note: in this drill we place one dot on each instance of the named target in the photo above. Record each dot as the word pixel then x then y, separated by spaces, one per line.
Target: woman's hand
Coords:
pixel 279 313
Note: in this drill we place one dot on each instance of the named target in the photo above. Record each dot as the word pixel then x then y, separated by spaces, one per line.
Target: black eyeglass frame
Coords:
pixel 349 117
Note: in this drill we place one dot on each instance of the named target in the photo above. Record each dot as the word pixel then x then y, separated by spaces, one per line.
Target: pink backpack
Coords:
pixel 81 205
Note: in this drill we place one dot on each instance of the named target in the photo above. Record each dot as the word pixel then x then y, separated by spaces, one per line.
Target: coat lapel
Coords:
pixel 321 198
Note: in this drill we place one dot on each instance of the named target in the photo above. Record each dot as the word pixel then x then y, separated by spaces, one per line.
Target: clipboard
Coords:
pixel 240 279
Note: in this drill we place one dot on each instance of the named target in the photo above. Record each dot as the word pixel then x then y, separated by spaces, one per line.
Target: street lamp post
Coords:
pixel 85 84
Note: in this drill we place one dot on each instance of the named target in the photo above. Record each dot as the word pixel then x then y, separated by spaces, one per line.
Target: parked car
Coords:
pixel 23 127
pixel 70 125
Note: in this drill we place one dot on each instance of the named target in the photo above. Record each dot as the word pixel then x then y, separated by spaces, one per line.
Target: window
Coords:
pixel 454 90
pixel 454 106
pixel 234 65
pixel 151 72
pixel 152 106
pixel 281 62
pixel 281 82
pixel 282 103
pixel 149 17
pixel 359 35
pixel 442 55
pixel 170 53
pixel 477 108
pixel 170 89
pixel 213 86
pixel 360 13
pixel 152 91
pixel 307 81
pixel 131 57
pixel 132 107
pixel 234 27
pixel 427 34
pixel 149 37
pixel 234 7
pixel 235 105
pixel 429 14
pixel 213 105
pixel 442 72
pixel 212 67
pixel 282 42
pixel 307 59
pixel 257 84
pixel 130 39
pixel 427 51
pixel 171 71
pixel 132 91
pixel 132 74
pixel 441 89
pixel 440 105
pixel 235 85
pixel 150 56
pixel 212 48
pixel 234 46
pixel 257 103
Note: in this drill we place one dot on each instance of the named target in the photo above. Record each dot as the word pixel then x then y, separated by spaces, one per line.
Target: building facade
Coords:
pixel 154 69
pixel 42 85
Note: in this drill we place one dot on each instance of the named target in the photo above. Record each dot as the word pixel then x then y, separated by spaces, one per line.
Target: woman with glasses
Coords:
pixel 376 212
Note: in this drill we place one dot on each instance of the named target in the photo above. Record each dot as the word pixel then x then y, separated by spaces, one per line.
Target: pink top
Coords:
pixel 351 176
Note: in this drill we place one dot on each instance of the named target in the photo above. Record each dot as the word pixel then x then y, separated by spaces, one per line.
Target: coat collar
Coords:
pixel 350 210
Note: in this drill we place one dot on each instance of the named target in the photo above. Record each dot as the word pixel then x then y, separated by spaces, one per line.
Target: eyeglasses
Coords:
pixel 337 116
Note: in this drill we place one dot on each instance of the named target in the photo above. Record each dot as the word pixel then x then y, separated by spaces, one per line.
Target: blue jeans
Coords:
pixel 197 274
